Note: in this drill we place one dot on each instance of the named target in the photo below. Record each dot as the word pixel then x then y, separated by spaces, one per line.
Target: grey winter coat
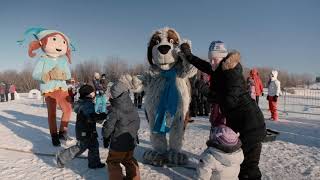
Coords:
pixel 122 124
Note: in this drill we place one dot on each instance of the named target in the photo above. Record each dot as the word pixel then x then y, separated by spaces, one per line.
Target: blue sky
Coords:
pixel 281 34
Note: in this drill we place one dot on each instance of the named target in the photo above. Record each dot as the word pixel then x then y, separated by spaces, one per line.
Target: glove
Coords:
pixel 275 98
pixel 186 50
pixel 267 98
pixel 262 94
pixel 106 142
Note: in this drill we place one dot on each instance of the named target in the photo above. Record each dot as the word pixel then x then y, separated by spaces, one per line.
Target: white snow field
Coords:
pixel 26 150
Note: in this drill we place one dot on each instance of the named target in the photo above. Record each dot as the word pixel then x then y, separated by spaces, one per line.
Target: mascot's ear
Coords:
pixel 153 41
pixel 149 53
pixel 174 35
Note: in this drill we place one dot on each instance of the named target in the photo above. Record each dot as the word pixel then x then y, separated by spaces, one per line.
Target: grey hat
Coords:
pixel 117 89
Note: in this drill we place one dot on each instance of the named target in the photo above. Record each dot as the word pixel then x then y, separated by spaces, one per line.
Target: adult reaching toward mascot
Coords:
pixel 52 71
pixel 167 97
pixel 242 113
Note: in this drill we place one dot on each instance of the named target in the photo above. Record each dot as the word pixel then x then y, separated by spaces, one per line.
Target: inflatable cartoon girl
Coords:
pixel 52 71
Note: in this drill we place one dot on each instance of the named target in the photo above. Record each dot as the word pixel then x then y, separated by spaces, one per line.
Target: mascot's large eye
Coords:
pixel 157 41
pixel 54 39
pixel 171 41
pixel 64 42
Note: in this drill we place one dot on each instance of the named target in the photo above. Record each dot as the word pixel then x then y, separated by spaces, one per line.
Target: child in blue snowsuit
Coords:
pixel 101 100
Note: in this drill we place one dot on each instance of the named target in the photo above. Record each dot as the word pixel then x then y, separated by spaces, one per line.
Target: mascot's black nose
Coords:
pixel 163 49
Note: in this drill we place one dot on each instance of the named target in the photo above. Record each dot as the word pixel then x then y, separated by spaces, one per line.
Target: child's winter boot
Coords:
pixel 55 139
pixel 97 166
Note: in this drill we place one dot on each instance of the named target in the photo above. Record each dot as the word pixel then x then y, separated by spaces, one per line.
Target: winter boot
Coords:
pixel 97 166
pixel 55 139
pixel 63 135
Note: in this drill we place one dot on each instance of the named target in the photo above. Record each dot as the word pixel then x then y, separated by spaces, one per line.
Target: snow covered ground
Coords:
pixel 25 147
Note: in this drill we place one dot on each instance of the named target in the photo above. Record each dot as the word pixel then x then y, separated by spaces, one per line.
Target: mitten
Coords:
pixel 262 94
pixel 267 98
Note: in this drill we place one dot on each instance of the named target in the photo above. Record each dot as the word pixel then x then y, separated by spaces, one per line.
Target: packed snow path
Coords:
pixel 25 148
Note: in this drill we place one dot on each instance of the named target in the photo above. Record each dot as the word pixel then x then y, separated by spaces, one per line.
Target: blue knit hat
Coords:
pixel 217 49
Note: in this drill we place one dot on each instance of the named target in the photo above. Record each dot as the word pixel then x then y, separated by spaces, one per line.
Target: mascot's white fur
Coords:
pixel 164 54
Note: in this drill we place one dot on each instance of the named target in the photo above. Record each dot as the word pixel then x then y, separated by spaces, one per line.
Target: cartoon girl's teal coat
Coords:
pixel 44 65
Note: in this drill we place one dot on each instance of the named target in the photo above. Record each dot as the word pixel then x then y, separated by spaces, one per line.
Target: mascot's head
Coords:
pixel 162 48
pixel 53 43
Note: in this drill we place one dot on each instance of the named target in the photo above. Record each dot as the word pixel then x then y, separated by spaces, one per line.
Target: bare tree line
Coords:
pixel 113 67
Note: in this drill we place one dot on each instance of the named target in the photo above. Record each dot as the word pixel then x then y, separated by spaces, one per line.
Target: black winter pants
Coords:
pixel 249 169
pixel 7 97
pixel 92 145
pixel 2 98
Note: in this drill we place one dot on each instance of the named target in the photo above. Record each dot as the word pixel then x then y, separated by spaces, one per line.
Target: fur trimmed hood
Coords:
pixel 232 59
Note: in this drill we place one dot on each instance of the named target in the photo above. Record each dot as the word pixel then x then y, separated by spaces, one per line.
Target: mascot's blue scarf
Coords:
pixel 167 107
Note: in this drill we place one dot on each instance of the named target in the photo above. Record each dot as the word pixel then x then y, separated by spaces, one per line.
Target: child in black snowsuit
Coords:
pixel 228 89
pixel 86 132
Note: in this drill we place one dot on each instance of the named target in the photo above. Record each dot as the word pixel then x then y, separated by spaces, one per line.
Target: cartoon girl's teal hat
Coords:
pixel 38 33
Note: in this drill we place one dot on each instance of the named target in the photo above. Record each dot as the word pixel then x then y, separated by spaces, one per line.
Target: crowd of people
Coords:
pixel 90 103
pixel 219 91
pixel 7 89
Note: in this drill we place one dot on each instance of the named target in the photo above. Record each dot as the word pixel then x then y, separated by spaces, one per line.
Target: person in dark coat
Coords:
pixel 193 108
pixel 138 97
pixel 86 132
pixel 104 82
pixel 203 105
pixel 228 89
pixel 7 88
pixel 120 131
pixel 2 91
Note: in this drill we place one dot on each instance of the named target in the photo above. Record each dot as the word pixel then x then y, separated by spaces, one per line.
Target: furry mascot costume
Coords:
pixel 52 71
pixel 167 96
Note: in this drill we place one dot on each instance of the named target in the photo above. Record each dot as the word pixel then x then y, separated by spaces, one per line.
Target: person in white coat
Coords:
pixel 274 91
pixel 222 159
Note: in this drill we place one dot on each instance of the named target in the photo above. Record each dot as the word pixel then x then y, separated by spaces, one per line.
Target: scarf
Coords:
pixel 168 104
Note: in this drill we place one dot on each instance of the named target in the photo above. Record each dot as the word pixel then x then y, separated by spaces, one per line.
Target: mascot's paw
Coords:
pixel 154 158
pixel 177 158
pixel 184 49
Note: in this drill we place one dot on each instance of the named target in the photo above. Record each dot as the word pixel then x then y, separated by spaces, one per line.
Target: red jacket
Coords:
pixel 12 88
pixel 254 74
